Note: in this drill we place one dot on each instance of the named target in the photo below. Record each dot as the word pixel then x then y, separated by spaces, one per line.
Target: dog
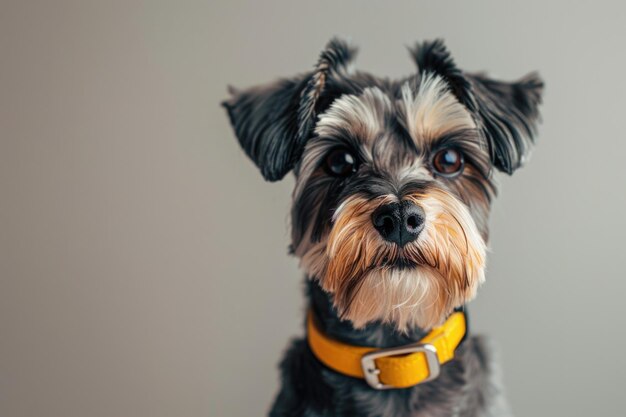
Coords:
pixel 394 182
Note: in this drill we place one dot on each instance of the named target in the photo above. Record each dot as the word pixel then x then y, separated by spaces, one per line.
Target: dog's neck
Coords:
pixel 375 334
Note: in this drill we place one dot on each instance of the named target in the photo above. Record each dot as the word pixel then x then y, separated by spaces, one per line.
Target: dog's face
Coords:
pixel 393 178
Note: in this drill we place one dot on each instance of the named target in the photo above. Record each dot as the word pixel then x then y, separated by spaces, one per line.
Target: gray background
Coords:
pixel 143 266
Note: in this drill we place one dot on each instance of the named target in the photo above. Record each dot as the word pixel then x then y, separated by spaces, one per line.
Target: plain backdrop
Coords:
pixel 143 260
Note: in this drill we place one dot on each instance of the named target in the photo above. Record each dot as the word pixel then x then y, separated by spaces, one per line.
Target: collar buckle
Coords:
pixel 371 372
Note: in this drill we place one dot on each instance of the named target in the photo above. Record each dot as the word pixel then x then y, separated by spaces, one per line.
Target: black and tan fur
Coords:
pixel 370 290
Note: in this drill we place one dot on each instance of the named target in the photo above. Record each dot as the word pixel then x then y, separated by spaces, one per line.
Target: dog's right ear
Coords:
pixel 273 122
pixel 265 120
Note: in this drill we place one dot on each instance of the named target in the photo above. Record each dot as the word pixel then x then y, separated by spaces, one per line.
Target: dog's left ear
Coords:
pixel 273 122
pixel 506 112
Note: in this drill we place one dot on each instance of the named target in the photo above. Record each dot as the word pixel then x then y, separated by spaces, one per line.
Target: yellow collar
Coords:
pixel 397 367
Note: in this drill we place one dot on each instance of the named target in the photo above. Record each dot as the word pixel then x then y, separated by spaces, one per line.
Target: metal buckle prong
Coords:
pixel 371 372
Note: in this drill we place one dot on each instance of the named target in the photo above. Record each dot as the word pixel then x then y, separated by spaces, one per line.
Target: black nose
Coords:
pixel 400 223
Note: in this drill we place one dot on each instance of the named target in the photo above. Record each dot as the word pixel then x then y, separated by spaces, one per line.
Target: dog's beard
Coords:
pixel 417 285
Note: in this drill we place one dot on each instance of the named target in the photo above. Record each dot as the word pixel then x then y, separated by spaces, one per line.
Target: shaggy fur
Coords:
pixel 359 144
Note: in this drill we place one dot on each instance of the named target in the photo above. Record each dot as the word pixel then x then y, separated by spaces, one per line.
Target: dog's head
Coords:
pixel 393 178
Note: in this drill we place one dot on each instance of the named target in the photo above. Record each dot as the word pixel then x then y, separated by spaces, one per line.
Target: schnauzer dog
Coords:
pixel 394 181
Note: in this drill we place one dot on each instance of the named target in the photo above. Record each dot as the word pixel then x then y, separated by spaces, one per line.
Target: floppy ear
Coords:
pixel 273 122
pixel 265 122
pixel 507 113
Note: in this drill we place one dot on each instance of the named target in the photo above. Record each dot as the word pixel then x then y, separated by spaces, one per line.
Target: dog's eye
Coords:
pixel 448 162
pixel 340 163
